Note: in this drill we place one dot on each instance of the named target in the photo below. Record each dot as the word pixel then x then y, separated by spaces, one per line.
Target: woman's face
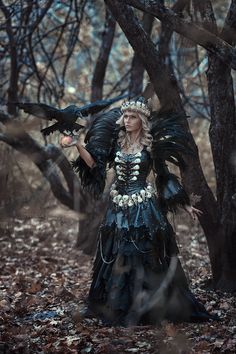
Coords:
pixel 132 121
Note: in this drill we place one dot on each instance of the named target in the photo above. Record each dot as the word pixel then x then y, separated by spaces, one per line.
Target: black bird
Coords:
pixel 68 119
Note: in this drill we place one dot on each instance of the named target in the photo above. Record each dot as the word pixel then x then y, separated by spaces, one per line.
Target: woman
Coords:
pixel 137 276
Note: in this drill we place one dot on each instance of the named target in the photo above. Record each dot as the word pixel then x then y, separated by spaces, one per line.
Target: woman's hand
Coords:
pixel 68 140
pixel 193 212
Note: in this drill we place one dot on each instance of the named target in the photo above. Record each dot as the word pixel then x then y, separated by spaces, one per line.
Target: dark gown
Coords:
pixel 137 276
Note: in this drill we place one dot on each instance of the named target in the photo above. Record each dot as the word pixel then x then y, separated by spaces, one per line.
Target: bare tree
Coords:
pixel 223 142
pixel 33 50
pixel 166 84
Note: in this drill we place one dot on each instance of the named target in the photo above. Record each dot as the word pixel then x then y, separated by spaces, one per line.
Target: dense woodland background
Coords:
pixel 75 52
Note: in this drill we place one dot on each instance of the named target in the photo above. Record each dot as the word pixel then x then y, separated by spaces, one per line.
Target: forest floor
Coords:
pixel 44 280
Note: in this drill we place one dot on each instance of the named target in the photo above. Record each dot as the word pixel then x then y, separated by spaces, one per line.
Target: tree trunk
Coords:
pixel 137 68
pixel 101 65
pixel 14 70
pixel 222 133
pixel 194 180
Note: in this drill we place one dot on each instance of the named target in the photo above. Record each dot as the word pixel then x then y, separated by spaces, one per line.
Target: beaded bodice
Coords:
pixel 131 186
pixel 131 171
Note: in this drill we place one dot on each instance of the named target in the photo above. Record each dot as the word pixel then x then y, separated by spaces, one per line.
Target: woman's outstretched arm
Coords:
pixel 84 154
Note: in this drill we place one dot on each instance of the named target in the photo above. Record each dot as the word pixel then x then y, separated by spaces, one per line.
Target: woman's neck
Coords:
pixel 134 137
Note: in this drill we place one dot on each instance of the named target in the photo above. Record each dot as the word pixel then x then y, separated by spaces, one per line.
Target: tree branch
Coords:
pixel 229 30
pixel 166 31
pixel 164 85
pixel 44 158
pixel 198 35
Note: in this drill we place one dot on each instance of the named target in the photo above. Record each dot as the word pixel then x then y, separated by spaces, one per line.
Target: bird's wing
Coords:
pixel 99 105
pixel 40 110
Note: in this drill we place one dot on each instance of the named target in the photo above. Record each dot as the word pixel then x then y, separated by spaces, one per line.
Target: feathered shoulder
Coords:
pixel 170 143
pixel 100 140
pixel 170 139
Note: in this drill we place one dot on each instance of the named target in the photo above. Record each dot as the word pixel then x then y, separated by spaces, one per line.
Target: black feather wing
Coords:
pixel 99 141
pixel 170 143
pixel 99 105
pixel 67 117
pixel 170 140
pixel 40 110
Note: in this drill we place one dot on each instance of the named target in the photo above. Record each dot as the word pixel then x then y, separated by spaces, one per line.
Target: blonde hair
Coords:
pixel 145 136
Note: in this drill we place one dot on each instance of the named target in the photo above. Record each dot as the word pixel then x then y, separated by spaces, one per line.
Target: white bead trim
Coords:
pixel 121 154
pixel 126 200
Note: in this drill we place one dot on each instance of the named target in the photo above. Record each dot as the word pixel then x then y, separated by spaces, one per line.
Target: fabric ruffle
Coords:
pixel 126 277
pixel 92 179
pixel 142 221
pixel 134 253
pixel 173 194
pixel 124 259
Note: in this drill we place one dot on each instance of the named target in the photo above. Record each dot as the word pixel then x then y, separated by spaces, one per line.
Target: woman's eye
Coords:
pixel 132 117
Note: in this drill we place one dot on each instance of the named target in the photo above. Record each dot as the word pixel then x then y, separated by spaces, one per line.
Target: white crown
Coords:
pixel 136 106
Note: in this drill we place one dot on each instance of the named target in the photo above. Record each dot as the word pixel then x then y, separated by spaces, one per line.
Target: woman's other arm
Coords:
pixel 171 191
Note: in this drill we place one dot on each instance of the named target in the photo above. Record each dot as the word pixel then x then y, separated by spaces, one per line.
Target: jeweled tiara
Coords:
pixel 138 105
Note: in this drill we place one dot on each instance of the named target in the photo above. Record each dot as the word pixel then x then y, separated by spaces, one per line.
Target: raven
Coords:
pixel 69 119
